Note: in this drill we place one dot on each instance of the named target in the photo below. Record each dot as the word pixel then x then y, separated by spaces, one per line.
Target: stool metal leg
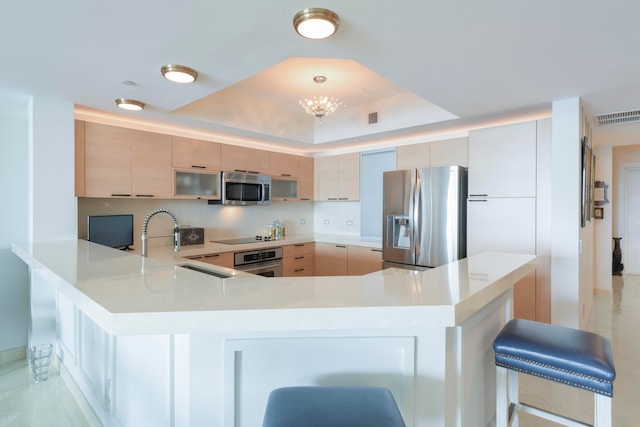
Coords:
pixel 602 416
pixel 502 402
pixel 514 397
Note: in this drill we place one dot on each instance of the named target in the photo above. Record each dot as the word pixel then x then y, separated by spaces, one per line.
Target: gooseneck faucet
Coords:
pixel 176 230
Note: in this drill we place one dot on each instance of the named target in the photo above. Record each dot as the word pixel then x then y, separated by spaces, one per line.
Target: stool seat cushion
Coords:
pixel 310 406
pixel 574 357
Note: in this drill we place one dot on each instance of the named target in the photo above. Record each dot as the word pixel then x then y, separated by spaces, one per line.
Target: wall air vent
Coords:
pixel 373 118
pixel 622 117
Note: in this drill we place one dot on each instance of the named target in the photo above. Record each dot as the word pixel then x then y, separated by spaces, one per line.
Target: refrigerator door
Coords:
pixel 440 221
pixel 397 228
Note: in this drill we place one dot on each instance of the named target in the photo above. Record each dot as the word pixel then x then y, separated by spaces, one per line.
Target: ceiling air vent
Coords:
pixel 373 118
pixel 622 117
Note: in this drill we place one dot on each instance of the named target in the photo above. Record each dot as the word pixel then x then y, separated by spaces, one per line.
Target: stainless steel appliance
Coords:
pixel 240 188
pixel 263 262
pixel 425 217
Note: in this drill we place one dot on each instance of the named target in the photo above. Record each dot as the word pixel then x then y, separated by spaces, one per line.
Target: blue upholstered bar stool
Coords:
pixel 310 406
pixel 569 356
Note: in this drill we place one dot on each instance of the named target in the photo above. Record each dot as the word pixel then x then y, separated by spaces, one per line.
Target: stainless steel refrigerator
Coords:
pixel 425 217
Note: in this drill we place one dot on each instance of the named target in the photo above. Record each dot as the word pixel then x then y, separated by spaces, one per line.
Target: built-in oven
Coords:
pixel 263 262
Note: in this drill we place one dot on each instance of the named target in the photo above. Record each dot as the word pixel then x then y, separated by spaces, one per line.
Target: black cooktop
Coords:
pixel 242 240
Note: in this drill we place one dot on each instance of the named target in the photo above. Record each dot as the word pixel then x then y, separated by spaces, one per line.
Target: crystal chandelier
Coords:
pixel 320 106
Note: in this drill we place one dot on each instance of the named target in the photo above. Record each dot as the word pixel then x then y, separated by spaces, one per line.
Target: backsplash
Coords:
pixel 219 222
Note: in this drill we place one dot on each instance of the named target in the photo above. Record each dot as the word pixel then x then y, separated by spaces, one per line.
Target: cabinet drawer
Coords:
pixel 224 259
pixel 298 261
pixel 298 272
pixel 297 249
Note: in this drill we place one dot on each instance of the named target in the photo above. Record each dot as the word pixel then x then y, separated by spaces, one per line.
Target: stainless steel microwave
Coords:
pixel 239 188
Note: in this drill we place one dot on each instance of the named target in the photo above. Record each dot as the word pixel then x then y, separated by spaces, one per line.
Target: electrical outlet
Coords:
pixel 349 222
pixel 326 222
pixel 303 221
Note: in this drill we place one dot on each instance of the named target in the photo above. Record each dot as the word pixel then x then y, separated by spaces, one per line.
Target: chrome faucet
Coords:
pixel 176 230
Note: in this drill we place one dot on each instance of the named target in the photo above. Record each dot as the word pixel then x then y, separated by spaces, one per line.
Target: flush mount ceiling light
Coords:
pixel 179 73
pixel 316 23
pixel 129 104
pixel 321 106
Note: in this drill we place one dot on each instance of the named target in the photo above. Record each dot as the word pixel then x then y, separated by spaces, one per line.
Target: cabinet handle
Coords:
pixel 120 195
pixel 343 198
pixel 194 257
pixel 144 195
pixel 198 167
pixel 477 200
pixel 299 245
pixel 253 172
pixel 299 257
pixel 285 174
pixel 212 255
pixel 332 198
pixel 376 250
pixel 298 270
pixel 478 195
pixel 340 246
pixel 305 198
pixel 240 170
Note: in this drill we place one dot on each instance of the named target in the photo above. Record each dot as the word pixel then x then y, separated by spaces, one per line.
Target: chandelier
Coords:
pixel 320 106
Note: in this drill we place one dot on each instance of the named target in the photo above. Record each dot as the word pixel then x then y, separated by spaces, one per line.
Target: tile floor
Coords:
pixel 617 317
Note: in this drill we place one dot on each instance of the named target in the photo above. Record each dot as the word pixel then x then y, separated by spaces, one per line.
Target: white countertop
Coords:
pixel 126 294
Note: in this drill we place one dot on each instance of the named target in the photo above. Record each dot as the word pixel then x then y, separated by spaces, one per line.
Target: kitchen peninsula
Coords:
pixel 151 343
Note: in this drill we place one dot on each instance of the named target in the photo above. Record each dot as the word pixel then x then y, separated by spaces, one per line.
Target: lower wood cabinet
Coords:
pixel 362 260
pixel 298 260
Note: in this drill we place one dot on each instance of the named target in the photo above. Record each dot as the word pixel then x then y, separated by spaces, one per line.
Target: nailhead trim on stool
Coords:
pixel 310 406
pixel 577 358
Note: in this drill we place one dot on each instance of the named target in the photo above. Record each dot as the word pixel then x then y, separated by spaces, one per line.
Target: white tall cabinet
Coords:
pixel 503 205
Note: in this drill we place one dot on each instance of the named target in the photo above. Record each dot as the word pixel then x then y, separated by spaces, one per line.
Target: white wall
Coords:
pixel 565 202
pixel 603 227
pixel 14 280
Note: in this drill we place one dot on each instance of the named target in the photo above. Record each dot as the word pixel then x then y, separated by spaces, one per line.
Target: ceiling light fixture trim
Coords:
pixel 130 104
pixel 316 23
pixel 179 73
pixel 321 106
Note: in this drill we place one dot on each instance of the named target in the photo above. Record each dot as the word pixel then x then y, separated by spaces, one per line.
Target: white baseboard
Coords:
pixel 13 355
pixel 77 395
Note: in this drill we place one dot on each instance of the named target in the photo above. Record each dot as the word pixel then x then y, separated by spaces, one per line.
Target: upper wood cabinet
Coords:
pixel 413 156
pixel 281 164
pixel 195 154
pixel 107 160
pixel 242 159
pixel 151 165
pixel 502 161
pixel 337 177
pixel 79 159
pixel 306 178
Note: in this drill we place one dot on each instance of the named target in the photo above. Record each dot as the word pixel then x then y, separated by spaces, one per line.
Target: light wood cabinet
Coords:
pixel 306 178
pixel 363 260
pixel 242 159
pixel 223 259
pixel 151 165
pixel 281 164
pixel 298 260
pixel 413 156
pixel 330 259
pixel 79 158
pixel 190 153
pixel 337 178
pixel 107 160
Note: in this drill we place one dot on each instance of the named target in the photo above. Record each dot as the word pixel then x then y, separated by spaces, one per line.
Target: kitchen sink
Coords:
pixel 205 271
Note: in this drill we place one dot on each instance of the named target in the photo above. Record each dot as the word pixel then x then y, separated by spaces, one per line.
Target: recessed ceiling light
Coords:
pixel 179 73
pixel 316 23
pixel 129 104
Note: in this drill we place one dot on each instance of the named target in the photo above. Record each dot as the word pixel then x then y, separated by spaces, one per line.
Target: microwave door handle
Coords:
pixel 262 192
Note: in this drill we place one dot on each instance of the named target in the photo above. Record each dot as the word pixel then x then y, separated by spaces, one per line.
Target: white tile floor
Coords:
pixel 617 317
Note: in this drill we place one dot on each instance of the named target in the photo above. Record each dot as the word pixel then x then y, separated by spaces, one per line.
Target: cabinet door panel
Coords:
pixel 107 160
pixel 502 161
pixel 194 153
pixel 364 260
pixel 503 225
pixel 330 259
pixel 151 170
